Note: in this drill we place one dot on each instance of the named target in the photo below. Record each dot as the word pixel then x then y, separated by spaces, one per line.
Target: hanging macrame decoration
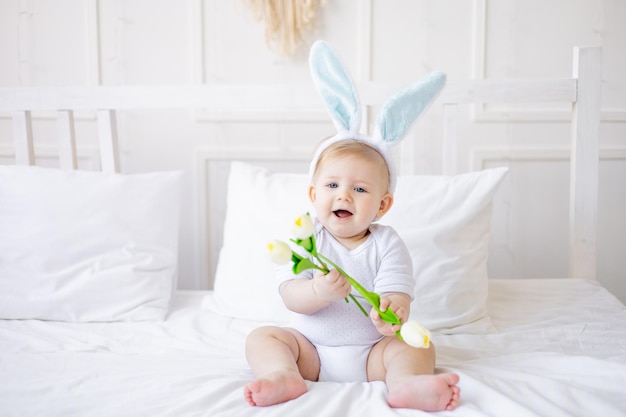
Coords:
pixel 285 20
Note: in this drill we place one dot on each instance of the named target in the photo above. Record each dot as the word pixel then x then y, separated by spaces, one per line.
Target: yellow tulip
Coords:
pixel 303 227
pixel 279 252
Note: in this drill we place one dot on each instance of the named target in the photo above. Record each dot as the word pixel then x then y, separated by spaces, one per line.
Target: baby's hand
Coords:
pixel 397 305
pixel 331 287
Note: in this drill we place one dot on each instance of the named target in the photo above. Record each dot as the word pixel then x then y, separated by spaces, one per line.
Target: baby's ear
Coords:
pixel 312 193
pixel 385 205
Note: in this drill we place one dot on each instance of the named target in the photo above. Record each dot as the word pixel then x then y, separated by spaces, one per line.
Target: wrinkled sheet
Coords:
pixel 558 349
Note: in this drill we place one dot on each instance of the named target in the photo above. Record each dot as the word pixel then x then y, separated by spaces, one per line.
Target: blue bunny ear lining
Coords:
pixel 336 87
pixel 401 111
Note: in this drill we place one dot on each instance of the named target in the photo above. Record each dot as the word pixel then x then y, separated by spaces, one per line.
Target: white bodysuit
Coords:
pixel 342 334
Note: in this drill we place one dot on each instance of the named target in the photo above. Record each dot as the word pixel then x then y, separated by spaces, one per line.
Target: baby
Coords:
pixel 329 339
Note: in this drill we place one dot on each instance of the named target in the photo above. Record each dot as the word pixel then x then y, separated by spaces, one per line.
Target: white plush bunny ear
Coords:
pixel 336 87
pixel 400 111
pixel 340 97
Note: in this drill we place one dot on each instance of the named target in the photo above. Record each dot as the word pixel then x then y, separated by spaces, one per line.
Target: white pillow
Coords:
pixel 87 246
pixel 259 208
pixel 445 223
pixel 443 220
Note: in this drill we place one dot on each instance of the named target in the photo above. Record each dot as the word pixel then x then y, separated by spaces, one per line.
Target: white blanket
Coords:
pixel 559 349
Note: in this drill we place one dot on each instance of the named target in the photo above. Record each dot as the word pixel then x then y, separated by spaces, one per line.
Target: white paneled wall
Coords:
pixel 85 42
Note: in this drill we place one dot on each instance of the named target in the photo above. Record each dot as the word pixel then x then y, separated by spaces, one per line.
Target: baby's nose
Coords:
pixel 344 194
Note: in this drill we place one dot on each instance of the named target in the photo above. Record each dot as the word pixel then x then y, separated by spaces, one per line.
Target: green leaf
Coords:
pixel 295 258
pixel 389 316
pixel 302 265
pixel 308 244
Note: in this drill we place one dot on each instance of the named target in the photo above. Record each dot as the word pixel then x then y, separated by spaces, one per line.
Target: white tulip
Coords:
pixel 303 227
pixel 279 252
pixel 415 334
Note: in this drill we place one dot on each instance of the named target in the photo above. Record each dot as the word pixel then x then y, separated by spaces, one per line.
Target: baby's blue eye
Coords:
pixel 359 189
pixel 332 185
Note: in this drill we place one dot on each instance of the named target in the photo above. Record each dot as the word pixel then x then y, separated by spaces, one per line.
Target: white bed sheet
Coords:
pixel 559 349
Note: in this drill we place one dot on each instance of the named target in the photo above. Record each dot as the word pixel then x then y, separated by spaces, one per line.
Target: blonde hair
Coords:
pixel 348 148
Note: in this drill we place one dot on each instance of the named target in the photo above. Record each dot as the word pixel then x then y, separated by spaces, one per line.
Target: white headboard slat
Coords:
pixel 107 137
pixel 584 164
pixel 23 138
pixel 67 140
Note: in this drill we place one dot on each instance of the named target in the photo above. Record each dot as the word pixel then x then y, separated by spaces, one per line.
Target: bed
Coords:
pixel 92 323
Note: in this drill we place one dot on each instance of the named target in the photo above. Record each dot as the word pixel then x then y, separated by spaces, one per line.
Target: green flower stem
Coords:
pixel 388 316
pixel 357 304
pixel 301 264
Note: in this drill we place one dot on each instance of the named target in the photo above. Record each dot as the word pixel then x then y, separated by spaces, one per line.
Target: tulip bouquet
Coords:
pixel 412 332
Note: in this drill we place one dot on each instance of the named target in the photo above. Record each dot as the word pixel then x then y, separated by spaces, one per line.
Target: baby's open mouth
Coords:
pixel 342 213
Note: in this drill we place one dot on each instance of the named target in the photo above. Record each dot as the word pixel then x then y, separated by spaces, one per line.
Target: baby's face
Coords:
pixel 348 193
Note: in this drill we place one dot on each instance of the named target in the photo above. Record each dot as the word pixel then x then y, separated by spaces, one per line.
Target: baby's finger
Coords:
pixel 347 288
pixel 333 276
pixel 318 274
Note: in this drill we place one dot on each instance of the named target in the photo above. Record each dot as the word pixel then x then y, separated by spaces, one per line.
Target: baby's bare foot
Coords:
pixel 427 393
pixel 274 389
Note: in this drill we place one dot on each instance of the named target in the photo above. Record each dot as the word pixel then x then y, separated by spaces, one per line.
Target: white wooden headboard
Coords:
pixel 582 90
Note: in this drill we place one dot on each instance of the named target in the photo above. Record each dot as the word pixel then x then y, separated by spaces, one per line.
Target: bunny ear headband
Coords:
pixel 340 97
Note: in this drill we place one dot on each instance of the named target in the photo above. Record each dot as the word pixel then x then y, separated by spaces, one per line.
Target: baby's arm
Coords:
pixel 306 296
pixel 400 304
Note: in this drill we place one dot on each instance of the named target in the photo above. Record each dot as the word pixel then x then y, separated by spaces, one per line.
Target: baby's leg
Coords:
pixel 281 359
pixel 409 373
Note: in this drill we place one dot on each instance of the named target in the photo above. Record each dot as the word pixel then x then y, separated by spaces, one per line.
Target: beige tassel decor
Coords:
pixel 285 20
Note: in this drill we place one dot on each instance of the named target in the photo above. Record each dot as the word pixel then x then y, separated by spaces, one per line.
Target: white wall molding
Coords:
pixel 196 40
pixel 479 39
pixel 92 42
pixel 482 112
pixel 48 156
pixel 199 13
pixel 92 61
pixel 364 54
pixel 364 42
pixel 480 157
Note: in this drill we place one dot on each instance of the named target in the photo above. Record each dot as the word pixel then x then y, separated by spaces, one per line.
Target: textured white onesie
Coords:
pixel 382 264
